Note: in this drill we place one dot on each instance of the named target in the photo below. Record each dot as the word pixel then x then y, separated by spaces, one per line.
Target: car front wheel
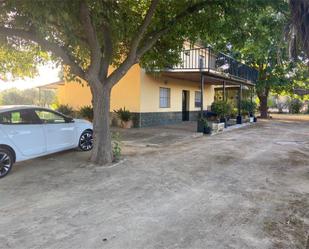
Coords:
pixel 86 141
pixel 6 161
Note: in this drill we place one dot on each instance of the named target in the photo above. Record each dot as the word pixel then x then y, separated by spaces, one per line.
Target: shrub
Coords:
pixel 123 114
pixel 234 113
pixel 295 106
pixel 248 107
pixel 66 110
pixel 221 108
pixel 116 144
pixel 204 121
pixel 86 112
pixel 203 125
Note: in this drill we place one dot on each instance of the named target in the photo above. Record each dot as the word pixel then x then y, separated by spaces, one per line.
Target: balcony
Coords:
pixel 215 64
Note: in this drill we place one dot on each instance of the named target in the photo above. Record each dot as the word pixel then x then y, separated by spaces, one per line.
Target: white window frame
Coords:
pixel 196 93
pixel 164 100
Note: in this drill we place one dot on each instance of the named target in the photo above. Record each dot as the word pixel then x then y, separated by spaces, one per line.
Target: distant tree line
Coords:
pixel 32 96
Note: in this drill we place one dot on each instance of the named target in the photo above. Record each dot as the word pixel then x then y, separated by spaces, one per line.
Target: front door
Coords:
pixel 185 105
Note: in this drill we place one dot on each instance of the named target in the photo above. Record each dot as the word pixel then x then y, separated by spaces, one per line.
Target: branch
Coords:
pixel 136 53
pixel 155 36
pixel 151 42
pixel 142 29
pixel 131 58
pixel 57 50
pixel 107 51
pixel 92 39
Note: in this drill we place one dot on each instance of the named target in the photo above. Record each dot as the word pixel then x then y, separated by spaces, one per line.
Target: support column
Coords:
pixel 224 91
pixel 239 117
pixel 202 94
pixel 200 122
pixel 39 96
pixel 251 99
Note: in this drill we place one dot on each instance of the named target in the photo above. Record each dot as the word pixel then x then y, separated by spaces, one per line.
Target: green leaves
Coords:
pixel 58 22
pixel 266 49
pixel 20 61
pixel 252 31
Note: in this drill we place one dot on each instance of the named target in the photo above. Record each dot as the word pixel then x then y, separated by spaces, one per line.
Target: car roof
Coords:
pixel 6 108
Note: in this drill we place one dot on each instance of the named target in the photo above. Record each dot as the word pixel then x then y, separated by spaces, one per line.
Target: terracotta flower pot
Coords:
pixel 127 124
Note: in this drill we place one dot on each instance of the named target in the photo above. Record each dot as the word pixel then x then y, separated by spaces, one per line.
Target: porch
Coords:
pixel 207 67
pixel 163 135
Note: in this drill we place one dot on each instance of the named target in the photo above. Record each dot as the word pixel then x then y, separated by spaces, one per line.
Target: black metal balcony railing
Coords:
pixel 205 59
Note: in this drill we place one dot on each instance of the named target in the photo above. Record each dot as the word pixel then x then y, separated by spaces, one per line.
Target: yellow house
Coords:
pixel 173 94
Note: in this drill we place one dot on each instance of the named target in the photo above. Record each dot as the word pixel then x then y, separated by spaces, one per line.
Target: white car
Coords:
pixel 28 131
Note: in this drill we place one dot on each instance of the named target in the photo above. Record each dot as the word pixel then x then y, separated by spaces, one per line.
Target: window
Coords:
pixel 48 117
pixel 197 99
pixel 19 117
pixel 165 97
pixel 5 118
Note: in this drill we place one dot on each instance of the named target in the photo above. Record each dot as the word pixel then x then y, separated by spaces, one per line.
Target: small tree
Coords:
pixel 221 108
pixel 266 49
pixel 248 107
pixel 295 106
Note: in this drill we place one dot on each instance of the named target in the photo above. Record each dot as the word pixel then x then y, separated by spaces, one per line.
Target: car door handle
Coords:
pixel 14 133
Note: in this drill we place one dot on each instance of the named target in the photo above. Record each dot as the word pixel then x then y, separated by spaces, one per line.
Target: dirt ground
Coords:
pixel 248 188
pixel 296 117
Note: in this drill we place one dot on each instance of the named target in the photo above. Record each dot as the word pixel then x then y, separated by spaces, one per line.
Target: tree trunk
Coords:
pixel 102 151
pixel 263 106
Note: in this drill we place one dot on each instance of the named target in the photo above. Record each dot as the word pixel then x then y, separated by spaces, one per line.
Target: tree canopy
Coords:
pixel 83 33
pixel 264 45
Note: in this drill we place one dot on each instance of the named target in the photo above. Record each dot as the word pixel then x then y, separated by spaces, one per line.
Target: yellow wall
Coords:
pixel 138 92
pixel 74 94
pixel 126 93
pixel 150 90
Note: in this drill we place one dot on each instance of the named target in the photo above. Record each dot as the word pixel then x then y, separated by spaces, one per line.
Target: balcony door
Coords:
pixel 185 105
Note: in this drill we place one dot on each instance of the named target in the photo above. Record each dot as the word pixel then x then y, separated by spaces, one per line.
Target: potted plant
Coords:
pixel 125 117
pixel 86 112
pixel 207 128
pixel 66 110
pixel 244 106
pixel 203 126
pixel 234 113
pixel 248 109
pixel 200 124
pixel 222 109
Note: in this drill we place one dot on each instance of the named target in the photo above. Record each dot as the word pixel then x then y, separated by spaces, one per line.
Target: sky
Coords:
pixel 47 74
